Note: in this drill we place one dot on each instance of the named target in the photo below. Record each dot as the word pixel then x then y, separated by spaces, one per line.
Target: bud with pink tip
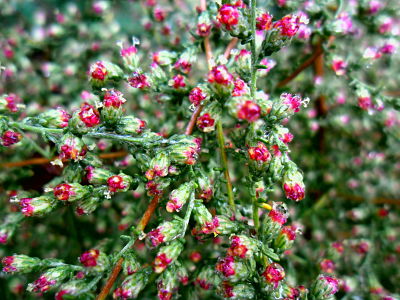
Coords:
pixel 71 147
pixel 324 287
pixel 130 125
pixel 131 263
pixel 167 255
pixel 165 232
pixel 206 278
pixel 236 291
pixel 139 81
pixel 101 72
pixel 179 196
pixel 39 206
pixel 54 118
pixel 272 223
pixel 10 103
pixel 20 264
pixel 232 269
pixel 197 95
pixel 71 191
pixel 70 289
pixel 132 285
pixel 158 166
pixel 119 183
pixel 243 246
pixel 186 150
pixel 50 279
pixel 94 260
pixel 293 184
pixel 286 237
pixel 112 106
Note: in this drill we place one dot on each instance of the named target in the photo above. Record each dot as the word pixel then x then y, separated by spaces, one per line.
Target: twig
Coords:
pixel 317 52
pixel 230 46
pixel 43 160
pixel 193 119
pixel 117 268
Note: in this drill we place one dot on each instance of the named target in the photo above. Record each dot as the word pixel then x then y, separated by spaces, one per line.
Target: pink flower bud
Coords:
pixel 89 115
pixel 71 147
pixel 324 287
pixel 327 266
pixel 228 15
pixel 10 103
pixel 179 196
pixel 240 88
pixel 131 286
pixel 89 258
pixel 165 232
pixel 177 82
pixel 243 246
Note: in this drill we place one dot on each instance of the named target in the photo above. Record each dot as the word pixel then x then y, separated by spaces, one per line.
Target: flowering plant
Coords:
pixel 174 157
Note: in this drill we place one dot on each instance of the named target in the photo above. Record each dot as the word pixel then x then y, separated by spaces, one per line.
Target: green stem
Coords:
pixel 126 138
pixel 125 249
pixel 39 149
pixel 253 87
pixel 37 129
pixel 188 214
pixel 224 161
pixel 91 284
pixel 253 4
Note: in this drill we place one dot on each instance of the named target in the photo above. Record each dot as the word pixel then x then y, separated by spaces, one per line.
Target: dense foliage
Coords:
pixel 219 149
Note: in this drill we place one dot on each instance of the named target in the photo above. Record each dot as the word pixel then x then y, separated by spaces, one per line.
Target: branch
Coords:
pixel 117 268
pixel 316 53
pixel 230 46
pixel 43 160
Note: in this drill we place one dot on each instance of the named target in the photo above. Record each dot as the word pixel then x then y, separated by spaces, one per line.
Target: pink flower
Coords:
pixel 43 284
pixel 288 25
pixel 159 14
pixel 228 15
pixel 178 81
pixel 327 266
pixel 240 88
pixel 156 237
pixel 294 191
pixel 249 111
pixel 98 71
pixel 365 103
pixel 203 29
pixel 196 96
pixel 89 258
pixel 264 22
pixel 63 191
pixel 26 207
pixel 277 216
pixel 205 121
pixel 273 274
pixel 161 262
pixel 259 153
pixel 183 65
pixel 113 98
pixel 116 183
pixel 339 66
pixel 89 115
pixel 226 266
pixel 138 81
pixel 10 138
pixel 220 75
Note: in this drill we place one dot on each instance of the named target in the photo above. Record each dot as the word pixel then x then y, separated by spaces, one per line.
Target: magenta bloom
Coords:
pixel 196 96
pixel 220 75
pixel 138 81
pixel 10 138
pixel 274 273
pixel 89 258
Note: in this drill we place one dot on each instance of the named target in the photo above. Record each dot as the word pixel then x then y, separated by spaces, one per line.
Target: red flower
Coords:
pixel 26 207
pixel 178 81
pixel 277 216
pixel 161 262
pixel 237 248
pixel 116 183
pixel 203 29
pixel 156 237
pixel 113 98
pixel 294 191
